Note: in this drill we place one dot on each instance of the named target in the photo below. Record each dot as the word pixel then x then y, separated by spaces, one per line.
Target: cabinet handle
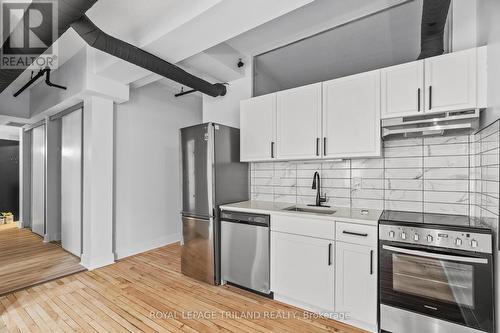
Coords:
pixel 371 262
pixel 324 146
pixel 272 149
pixel 418 99
pixel 317 146
pixel 430 97
pixel 354 233
pixel 330 254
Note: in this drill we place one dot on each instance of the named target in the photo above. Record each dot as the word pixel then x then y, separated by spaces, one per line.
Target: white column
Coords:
pixel 98 156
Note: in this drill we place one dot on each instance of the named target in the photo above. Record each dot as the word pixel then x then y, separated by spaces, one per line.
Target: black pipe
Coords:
pixel 98 39
pixel 30 82
pixel 46 72
pixel 434 14
pixel 182 93
pixel 67 12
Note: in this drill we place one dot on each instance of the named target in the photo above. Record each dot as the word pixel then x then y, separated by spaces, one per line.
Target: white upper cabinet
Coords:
pixel 402 89
pixel 351 116
pixel 298 131
pixel 258 128
pixel 451 81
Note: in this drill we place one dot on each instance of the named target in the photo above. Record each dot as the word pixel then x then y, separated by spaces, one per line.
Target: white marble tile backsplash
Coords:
pixel 449 174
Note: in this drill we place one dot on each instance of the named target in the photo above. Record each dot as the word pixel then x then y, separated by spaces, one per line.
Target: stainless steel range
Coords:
pixel 435 274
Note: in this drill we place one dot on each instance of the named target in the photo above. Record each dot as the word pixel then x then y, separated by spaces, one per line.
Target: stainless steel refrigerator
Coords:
pixel 212 175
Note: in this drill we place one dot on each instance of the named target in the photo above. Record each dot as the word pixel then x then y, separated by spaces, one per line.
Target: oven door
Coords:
pixel 451 285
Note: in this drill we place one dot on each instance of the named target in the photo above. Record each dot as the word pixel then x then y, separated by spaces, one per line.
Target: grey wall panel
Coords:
pixel 38 180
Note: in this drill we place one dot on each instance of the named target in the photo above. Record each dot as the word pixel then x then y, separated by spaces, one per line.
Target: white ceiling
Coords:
pixel 387 38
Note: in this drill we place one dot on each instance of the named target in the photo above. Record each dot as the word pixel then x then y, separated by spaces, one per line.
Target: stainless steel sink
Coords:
pixel 316 210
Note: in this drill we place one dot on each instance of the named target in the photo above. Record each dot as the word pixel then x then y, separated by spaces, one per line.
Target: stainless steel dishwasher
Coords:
pixel 245 250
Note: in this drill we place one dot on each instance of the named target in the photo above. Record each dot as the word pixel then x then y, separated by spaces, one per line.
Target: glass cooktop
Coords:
pixel 395 217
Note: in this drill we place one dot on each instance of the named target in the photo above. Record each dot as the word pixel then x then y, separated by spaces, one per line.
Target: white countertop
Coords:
pixel 369 216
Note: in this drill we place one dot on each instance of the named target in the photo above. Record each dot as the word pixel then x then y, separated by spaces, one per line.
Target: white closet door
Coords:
pixel 38 180
pixel 71 182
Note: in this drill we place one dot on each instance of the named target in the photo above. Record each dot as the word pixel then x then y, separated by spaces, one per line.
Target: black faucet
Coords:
pixel 317 186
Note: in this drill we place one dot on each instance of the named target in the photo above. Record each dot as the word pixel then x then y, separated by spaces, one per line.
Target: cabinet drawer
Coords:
pixel 356 233
pixel 304 226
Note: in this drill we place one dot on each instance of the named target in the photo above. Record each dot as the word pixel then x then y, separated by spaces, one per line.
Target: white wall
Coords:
pixel 9 133
pixel 226 109
pixel 147 181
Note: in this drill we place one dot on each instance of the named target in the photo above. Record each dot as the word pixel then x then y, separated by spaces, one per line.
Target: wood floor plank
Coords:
pixel 148 293
pixel 25 260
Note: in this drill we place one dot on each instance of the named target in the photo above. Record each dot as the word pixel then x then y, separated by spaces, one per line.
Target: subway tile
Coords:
pixel 339 202
pixel 403 162
pixel 344 164
pixel 403 195
pixel 292 199
pixel 331 182
pixel 446 173
pixel 490 173
pixel 315 166
pixel 403 184
pixel 442 208
pixel 439 140
pixel 403 142
pixel 262 196
pixel 263 189
pixel 446 161
pixel 285 190
pixel 336 192
pixel 262 166
pixel 403 151
pixel 301 173
pixel 262 181
pixel 367 194
pixel 404 173
pixel 258 173
pixel 461 185
pixel 367 183
pixel 285 173
pixel 411 206
pixel 447 150
pixel 446 197
pixel 367 204
pixel 338 173
pixel 368 163
pixel 367 173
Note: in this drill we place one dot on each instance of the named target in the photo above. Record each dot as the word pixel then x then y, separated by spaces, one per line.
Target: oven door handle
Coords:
pixel 435 255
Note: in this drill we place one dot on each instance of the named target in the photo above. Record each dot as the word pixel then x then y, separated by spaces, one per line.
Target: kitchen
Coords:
pixel 318 166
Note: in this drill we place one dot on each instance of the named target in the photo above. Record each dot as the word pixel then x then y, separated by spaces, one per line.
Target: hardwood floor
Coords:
pixel 25 260
pixel 147 293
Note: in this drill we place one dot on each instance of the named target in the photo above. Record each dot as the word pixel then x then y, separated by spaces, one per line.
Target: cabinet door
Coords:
pixel 302 269
pixel 450 82
pixel 258 128
pixel 351 116
pixel 356 283
pixel 299 122
pixel 402 89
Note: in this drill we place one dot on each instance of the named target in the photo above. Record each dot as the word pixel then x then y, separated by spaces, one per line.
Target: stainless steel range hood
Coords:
pixel 431 124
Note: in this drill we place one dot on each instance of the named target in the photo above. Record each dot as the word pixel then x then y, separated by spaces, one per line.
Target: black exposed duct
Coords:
pixel 98 39
pixel 434 14
pixel 68 12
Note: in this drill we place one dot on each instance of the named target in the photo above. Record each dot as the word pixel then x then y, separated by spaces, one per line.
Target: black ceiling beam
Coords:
pixel 98 39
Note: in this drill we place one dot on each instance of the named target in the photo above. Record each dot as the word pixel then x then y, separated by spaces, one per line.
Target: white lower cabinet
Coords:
pixel 302 271
pixel 356 284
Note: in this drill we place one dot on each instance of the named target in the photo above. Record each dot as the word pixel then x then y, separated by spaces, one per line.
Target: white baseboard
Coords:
pixel 92 263
pixel 133 249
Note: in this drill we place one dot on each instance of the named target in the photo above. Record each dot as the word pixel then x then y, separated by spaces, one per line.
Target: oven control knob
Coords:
pixel 430 238
pixel 473 243
pixel 458 242
pixel 403 235
pixel 391 234
pixel 416 237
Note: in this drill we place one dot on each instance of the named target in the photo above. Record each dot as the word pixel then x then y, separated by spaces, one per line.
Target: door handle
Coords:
pixel 324 146
pixel 430 97
pixel 418 99
pixel 354 233
pixel 317 146
pixel 330 254
pixel 371 262
pixel 272 149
